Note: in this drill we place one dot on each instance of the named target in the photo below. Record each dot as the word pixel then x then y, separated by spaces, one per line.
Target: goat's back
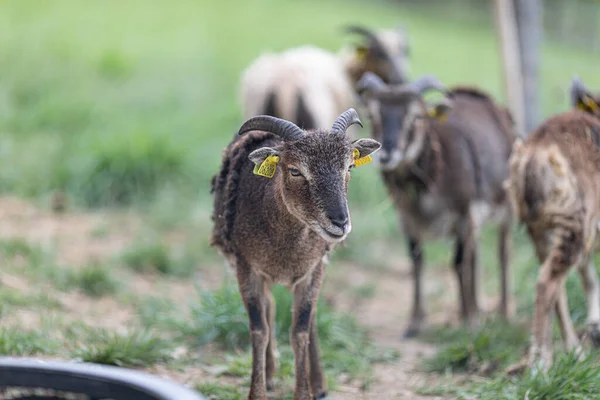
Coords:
pixel 478 137
pixel 555 171
pixel 275 83
pixel 231 186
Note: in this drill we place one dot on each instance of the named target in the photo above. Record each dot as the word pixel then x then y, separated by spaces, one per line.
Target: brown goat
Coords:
pixel 444 168
pixel 279 230
pixel 554 186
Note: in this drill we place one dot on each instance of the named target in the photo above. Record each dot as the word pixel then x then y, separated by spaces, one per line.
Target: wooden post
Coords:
pixel 511 61
pixel 529 23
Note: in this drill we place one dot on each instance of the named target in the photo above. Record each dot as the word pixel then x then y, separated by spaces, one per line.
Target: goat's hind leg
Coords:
pixel 504 252
pixel 589 278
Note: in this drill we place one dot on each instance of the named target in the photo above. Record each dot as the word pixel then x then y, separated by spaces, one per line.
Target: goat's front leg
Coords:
pixel 306 294
pixel 473 270
pixel 271 367
pixel 589 278
pixel 417 315
pixel 459 267
pixel 252 289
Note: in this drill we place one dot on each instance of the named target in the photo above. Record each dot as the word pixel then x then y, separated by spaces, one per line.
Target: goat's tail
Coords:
pixel 541 183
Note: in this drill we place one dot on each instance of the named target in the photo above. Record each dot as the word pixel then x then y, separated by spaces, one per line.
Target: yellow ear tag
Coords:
pixel 361 53
pixel 358 160
pixel 267 167
pixel 590 104
pixel 432 112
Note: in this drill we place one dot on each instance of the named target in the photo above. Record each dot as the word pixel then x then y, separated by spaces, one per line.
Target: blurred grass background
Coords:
pixel 130 104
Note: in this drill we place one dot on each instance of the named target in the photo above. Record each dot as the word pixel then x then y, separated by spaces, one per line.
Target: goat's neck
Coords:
pixel 420 175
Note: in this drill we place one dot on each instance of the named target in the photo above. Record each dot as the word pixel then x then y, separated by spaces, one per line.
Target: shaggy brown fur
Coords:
pixel 446 177
pixel 277 231
pixel 554 186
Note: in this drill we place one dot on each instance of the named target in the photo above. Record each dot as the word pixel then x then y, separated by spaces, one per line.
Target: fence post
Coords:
pixel 511 60
pixel 529 24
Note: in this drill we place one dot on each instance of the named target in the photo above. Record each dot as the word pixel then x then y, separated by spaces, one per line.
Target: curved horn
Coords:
pixel 578 89
pixel 369 81
pixel 428 82
pixel 361 30
pixel 285 129
pixel 345 120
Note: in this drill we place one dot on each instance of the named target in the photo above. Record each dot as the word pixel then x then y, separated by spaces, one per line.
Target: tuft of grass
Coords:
pixel 14 342
pixel 95 280
pixel 221 318
pixel 485 350
pixel 220 391
pixel 136 348
pixel 20 251
pixel 125 168
pixel 16 298
pixel 567 378
pixel 156 257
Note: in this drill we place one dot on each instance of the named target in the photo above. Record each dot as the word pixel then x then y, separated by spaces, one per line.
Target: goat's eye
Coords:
pixel 295 171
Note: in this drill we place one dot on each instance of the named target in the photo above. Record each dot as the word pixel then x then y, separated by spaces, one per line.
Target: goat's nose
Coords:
pixel 339 219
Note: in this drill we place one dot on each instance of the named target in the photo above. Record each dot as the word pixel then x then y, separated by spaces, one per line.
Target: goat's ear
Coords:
pixel 440 110
pixel 259 155
pixel 366 146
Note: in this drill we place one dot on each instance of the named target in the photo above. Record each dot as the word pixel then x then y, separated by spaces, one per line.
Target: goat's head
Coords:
pixel 583 99
pixel 400 117
pixel 384 52
pixel 314 169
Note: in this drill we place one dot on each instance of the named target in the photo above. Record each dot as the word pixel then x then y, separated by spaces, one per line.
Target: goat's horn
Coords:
pixel 369 81
pixel 577 89
pixel 361 30
pixel 428 82
pixel 285 129
pixel 373 84
pixel 345 120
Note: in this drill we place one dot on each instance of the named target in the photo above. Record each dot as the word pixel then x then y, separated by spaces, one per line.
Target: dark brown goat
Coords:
pixel 554 184
pixel 278 230
pixel 444 167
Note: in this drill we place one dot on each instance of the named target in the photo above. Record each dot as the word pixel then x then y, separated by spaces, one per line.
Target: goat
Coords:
pixel 311 86
pixel 554 175
pixel 444 167
pixel 279 230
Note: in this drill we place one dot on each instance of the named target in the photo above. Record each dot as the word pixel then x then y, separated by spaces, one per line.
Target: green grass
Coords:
pixel 220 391
pixel 17 342
pixel 95 280
pixel 158 257
pixel 219 317
pixel 567 378
pixel 486 350
pixel 135 348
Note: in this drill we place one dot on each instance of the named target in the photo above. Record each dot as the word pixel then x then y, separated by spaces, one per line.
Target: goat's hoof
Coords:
pixel 411 332
pixel 321 396
pixel 595 335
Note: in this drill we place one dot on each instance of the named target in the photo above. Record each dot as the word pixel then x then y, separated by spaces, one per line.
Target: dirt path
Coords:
pixel 386 314
pixel 384 307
